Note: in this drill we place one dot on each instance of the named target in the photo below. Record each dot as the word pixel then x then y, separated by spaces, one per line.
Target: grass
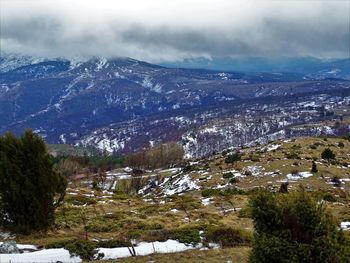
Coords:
pixel 123 216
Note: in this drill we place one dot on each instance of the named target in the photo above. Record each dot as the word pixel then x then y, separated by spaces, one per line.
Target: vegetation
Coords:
pixel 161 155
pixel 30 189
pixel 233 158
pixel 228 237
pixel 327 154
pixel 294 228
pixel 218 212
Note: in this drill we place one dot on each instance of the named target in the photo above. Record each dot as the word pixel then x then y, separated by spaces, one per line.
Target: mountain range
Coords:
pixel 121 105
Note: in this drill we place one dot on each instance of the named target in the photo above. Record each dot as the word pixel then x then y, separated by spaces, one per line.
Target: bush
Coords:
pixel 186 235
pixel 327 154
pixel 83 248
pixel 228 237
pixel 341 145
pixel 210 192
pixel 292 155
pixel 233 158
pixel 103 224
pixel 80 247
pixel 294 228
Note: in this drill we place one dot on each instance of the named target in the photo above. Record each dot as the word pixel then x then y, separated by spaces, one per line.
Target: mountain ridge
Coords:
pixel 120 105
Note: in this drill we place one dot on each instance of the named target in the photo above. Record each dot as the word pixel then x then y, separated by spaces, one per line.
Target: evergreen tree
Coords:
pixel 327 154
pixel 295 228
pixel 30 189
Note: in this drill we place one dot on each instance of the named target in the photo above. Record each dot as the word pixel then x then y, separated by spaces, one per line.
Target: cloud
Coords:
pixel 159 30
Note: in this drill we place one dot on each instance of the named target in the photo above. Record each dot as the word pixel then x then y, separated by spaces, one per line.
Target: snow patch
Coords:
pixel 298 176
pixel 42 256
pixel 345 225
pixel 145 248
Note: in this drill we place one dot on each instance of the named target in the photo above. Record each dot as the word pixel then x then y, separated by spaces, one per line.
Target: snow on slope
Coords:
pixel 42 256
pixel 145 248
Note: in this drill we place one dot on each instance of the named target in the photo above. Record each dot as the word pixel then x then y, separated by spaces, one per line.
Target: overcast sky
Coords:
pixel 171 30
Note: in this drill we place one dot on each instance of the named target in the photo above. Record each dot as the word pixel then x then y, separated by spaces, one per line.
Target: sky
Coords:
pixel 173 30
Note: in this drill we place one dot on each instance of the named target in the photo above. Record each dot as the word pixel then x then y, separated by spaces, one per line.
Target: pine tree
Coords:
pixel 30 189
pixel 295 228
pixel 327 154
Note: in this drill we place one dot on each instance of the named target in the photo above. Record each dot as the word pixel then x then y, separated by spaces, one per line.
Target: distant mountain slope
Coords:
pixel 317 68
pixel 121 105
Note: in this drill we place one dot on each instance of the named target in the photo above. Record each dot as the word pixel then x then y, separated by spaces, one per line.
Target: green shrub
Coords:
pixel 228 237
pixel 185 235
pixel 83 248
pixel 135 233
pixel 148 226
pixel 296 147
pixel 210 192
pixel 150 209
pixel 292 155
pixel 294 228
pixel 68 217
pixel 80 247
pixel 233 158
pixel 327 154
pixel 103 224
pixel 60 243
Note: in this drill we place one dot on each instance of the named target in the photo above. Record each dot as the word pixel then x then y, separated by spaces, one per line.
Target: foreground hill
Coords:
pixel 120 105
pixel 188 202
